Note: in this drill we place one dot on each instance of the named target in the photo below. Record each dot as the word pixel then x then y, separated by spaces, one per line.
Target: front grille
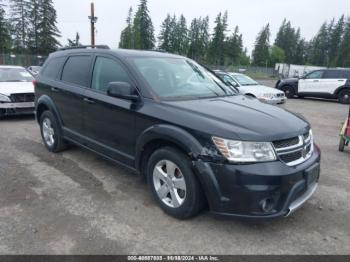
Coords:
pixel 286 143
pixel 20 98
pixel 280 95
pixel 288 158
pixel 295 150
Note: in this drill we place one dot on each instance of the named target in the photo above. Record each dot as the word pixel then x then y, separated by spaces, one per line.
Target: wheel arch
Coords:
pixel 341 88
pixel 164 135
pixel 45 103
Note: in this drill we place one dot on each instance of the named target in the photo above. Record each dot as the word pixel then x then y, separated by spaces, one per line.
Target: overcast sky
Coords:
pixel 249 15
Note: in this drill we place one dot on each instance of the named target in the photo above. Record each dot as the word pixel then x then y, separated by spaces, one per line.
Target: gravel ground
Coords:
pixel 77 203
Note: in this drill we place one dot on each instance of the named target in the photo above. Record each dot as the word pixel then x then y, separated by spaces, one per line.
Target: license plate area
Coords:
pixel 312 174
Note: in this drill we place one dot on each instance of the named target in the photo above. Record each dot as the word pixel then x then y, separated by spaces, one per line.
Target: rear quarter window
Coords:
pixel 76 70
pixel 53 67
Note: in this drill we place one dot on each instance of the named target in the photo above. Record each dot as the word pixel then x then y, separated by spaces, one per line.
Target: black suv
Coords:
pixel 171 120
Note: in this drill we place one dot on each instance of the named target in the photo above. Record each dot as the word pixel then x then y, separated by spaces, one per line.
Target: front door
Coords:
pixel 110 122
pixel 311 83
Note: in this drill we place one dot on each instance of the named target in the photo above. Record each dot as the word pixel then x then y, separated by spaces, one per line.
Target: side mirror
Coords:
pixel 122 90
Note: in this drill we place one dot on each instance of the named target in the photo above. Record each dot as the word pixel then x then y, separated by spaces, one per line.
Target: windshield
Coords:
pixel 177 78
pixel 245 80
pixel 15 75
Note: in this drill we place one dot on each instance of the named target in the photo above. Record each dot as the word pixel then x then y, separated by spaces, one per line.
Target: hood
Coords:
pixel 259 89
pixel 236 117
pixel 8 88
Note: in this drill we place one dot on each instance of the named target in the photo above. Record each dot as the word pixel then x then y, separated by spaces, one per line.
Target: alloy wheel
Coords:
pixel 48 132
pixel 169 183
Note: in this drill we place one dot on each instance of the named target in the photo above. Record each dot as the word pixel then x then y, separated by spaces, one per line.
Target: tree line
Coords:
pixel 330 46
pixel 28 27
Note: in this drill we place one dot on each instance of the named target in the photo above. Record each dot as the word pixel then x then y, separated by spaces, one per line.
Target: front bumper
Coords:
pixel 17 108
pixel 274 101
pixel 243 190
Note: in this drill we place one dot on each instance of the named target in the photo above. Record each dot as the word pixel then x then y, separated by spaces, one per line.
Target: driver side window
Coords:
pixel 107 70
pixel 315 75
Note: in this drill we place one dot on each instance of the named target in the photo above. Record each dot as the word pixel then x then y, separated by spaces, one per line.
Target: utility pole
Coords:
pixel 93 21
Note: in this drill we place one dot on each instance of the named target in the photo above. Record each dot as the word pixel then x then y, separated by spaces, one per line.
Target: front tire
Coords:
pixel 173 183
pixel 51 133
pixel 289 91
pixel 344 97
pixel 341 144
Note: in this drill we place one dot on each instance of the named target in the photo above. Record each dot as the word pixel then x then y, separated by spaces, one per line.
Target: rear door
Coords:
pixel 332 80
pixel 110 122
pixel 311 83
pixel 68 97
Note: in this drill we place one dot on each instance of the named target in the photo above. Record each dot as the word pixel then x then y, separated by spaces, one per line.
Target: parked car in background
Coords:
pixel 250 87
pixel 34 70
pixel 16 91
pixel 327 83
pixel 195 139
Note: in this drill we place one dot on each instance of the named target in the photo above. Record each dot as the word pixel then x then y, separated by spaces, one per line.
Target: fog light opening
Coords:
pixel 267 205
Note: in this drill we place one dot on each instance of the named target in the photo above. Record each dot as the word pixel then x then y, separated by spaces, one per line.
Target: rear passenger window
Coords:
pixel 76 70
pixel 333 74
pixel 53 67
pixel 107 70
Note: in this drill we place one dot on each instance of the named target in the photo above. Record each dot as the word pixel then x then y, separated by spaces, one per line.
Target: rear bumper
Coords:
pixel 242 190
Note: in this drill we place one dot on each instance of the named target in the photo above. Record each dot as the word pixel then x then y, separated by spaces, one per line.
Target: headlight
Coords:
pixel 4 98
pixel 242 151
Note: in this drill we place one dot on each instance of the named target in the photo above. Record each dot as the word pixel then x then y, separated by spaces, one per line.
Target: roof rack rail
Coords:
pixel 84 47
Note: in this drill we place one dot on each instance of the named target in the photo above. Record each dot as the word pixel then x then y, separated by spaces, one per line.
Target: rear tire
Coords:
pixel 173 183
pixel 51 133
pixel 289 91
pixel 341 144
pixel 344 97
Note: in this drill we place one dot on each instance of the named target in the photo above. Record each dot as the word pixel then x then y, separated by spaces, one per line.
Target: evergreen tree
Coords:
pixel 20 20
pixel 234 48
pixel 216 49
pixel 5 36
pixel 143 28
pixel 126 37
pixel 343 58
pixel 75 42
pixel 261 55
pixel 48 29
pixel 319 53
pixel 199 38
pixel 335 37
pixel 301 52
pixel 34 29
pixel 182 40
pixel 288 39
pixel 164 36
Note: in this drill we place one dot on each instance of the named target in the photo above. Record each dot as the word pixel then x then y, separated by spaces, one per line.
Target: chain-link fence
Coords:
pixel 255 71
pixel 21 59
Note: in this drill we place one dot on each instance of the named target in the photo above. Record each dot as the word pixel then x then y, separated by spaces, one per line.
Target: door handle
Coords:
pixel 316 81
pixel 340 80
pixel 54 89
pixel 89 101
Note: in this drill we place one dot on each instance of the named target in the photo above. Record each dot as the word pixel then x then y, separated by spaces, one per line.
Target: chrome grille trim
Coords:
pixel 305 142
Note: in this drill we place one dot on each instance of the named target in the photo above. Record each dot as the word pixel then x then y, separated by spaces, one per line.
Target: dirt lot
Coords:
pixel 78 203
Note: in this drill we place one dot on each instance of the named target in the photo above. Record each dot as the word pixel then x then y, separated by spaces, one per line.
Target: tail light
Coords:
pixel 34 82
